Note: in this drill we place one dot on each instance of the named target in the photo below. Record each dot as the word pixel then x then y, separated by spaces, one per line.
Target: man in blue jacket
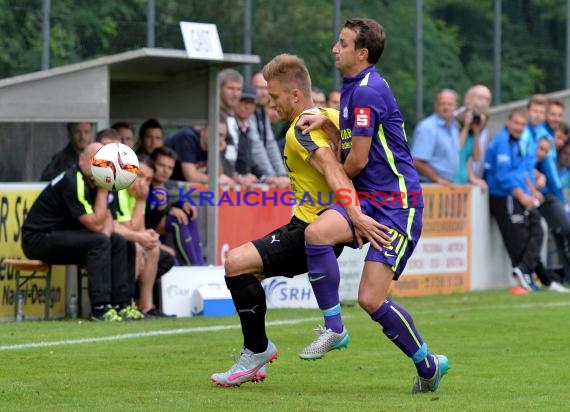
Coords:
pixel 514 198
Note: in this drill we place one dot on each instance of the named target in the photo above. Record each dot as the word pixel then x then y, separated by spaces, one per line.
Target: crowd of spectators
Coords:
pixel 524 167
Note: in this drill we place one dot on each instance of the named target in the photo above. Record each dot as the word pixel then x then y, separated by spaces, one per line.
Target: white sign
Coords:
pixel 446 254
pixel 201 40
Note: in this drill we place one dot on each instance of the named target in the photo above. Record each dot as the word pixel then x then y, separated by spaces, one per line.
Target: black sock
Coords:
pixel 249 299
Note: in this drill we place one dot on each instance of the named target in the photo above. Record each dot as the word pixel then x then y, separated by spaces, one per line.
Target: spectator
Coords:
pixel 180 221
pixel 554 212
pixel 513 201
pixel 231 84
pixel 436 146
pixel 479 96
pixel 238 151
pixel 126 132
pixel 554 115
pixel 130 224
pixel 191 148
pixel 151 136
pixel 472 120
pixel 107 136
pixel 70 223
pixel 319 98
pixel 333 99
pixel 260 122
pixel 79 135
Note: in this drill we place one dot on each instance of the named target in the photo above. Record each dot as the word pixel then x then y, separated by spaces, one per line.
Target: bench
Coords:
pixel 25 270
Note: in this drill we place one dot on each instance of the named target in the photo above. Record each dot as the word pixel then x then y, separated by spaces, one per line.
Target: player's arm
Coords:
pixel 324 161
pixel 357 159
pixel 95 220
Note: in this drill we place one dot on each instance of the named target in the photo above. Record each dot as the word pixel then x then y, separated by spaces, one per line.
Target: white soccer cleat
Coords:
pixel 325 341
pixel 246 368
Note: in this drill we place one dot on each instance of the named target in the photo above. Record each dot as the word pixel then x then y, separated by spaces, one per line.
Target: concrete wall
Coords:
pixel 27 148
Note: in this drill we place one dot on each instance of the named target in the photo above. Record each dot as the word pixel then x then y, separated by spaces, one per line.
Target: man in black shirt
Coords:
pixel 70 223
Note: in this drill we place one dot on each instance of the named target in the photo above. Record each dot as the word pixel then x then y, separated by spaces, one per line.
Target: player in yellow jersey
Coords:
pixel 282 252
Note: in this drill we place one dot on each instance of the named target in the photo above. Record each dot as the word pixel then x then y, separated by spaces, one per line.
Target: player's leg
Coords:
pixel 380 268
pixel 276 254
pixel 329 229
pixel 147 278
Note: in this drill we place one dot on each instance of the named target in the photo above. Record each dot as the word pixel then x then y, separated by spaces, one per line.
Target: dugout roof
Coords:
pixel 132 86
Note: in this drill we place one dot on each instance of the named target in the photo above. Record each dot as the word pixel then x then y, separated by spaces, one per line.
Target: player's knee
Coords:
pixel 313 235
pixel 368 302
pixel 232 263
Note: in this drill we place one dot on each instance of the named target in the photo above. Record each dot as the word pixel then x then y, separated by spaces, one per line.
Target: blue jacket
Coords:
pixel 506 165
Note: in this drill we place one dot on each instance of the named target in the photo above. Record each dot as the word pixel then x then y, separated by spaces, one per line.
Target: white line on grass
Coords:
pixel 125 336
pixel 179 331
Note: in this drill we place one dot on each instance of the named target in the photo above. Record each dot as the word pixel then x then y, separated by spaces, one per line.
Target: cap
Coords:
pixel 248 92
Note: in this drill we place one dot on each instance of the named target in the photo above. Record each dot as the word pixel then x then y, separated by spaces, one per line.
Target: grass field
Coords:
pixel 508 353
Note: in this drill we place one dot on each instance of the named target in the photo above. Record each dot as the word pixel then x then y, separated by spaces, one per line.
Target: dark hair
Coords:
pixel 163 151
pixel 123 125
pixel 144 158
pixel 149 124
pixel 369 35
pixel 108 133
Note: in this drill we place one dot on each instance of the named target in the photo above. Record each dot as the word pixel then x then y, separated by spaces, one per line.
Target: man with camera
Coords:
pixel 473 118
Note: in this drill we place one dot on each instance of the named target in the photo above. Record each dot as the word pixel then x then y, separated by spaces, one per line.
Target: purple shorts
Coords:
pixel 405 230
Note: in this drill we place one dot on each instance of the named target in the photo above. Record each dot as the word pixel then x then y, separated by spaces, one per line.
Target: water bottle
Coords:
pixel 20 306
pixel 73 306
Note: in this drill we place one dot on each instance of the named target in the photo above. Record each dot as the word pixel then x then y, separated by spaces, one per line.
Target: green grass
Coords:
pixel 507 353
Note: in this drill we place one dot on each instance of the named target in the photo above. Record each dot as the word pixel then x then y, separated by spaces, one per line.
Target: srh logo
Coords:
pixel 362 117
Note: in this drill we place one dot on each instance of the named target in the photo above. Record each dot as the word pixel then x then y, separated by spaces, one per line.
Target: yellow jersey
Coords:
pixel 312 193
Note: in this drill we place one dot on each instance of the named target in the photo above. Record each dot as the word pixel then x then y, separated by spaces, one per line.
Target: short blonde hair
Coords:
pixel 290 71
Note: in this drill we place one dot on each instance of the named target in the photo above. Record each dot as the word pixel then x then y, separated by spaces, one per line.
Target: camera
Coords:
pixel 476 118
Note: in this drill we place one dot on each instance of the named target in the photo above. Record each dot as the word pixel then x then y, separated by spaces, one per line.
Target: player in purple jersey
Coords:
pixel 376 157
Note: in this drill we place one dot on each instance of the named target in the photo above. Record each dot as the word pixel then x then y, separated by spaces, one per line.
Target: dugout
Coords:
pixel 132 86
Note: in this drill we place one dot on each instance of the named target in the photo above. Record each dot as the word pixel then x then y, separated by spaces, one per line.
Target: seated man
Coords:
pixel 70 223
pixel 79 135
pixel 131 224
pixel 181 221
pixel 151 136
pixel 191 148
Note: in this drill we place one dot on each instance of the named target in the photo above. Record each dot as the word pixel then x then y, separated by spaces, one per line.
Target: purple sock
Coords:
pixel 187 245
pixel 324 276
pixel 398 325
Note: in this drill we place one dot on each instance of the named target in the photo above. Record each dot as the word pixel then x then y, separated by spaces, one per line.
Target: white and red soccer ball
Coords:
pixel 115 166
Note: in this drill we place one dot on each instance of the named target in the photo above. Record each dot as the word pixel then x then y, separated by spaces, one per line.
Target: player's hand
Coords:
pixel 179 214
pixel 310 122
pixel 366 227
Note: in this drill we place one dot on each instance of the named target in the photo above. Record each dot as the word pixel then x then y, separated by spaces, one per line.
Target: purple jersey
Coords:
pixel 368 108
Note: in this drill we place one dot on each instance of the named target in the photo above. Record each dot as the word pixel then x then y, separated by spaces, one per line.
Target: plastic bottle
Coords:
pixel 20 306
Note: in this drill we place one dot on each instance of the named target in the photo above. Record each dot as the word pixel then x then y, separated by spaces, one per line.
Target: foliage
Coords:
pixel 457 48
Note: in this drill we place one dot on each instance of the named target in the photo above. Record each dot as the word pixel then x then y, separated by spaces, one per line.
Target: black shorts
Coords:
pixel 283 250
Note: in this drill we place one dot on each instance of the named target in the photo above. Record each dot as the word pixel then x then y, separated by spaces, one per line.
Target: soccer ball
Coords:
pixel 115 166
